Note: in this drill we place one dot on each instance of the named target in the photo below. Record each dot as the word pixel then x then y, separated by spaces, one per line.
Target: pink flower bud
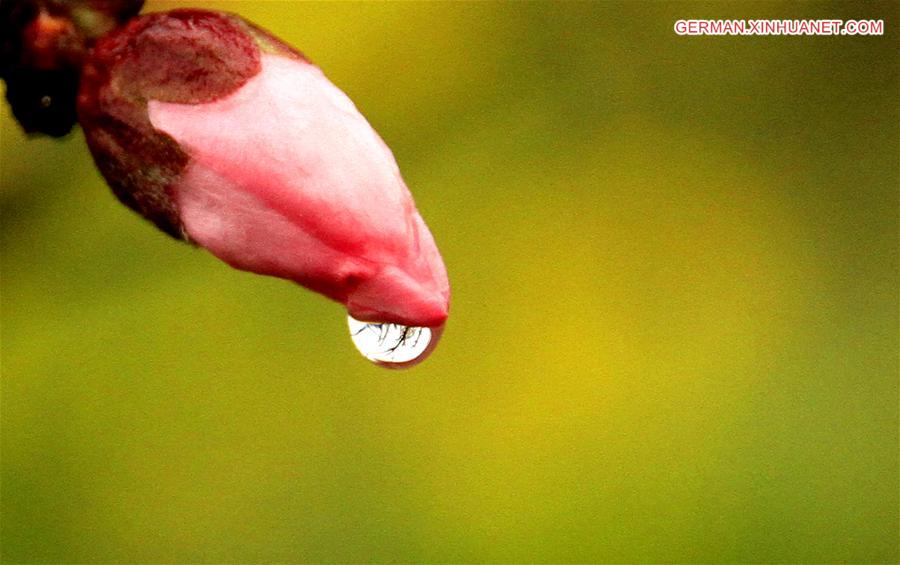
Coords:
pixel 224 136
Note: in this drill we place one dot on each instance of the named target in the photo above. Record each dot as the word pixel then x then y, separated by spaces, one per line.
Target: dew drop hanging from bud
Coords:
pixel 394 346
pixel 298 187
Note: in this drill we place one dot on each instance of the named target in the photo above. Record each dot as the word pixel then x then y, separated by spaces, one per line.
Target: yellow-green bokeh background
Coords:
pixel 674 331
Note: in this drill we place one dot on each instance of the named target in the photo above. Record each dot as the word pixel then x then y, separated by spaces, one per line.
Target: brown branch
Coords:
pixel 44 44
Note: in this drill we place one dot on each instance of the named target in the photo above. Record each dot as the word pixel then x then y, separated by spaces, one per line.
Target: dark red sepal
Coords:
pixel 183 56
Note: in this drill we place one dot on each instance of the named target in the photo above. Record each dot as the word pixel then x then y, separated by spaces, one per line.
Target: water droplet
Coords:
pixel 393 345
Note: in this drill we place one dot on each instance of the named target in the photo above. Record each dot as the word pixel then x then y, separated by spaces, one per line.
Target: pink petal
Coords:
pixel 287 178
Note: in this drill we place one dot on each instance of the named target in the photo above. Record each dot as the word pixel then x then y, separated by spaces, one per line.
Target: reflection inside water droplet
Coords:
pixel 392 345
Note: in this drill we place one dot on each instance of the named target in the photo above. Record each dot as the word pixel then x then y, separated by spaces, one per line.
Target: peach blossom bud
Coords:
pixel 224 136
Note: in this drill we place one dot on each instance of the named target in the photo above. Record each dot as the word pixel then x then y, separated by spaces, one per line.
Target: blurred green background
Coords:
pixel 674 333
